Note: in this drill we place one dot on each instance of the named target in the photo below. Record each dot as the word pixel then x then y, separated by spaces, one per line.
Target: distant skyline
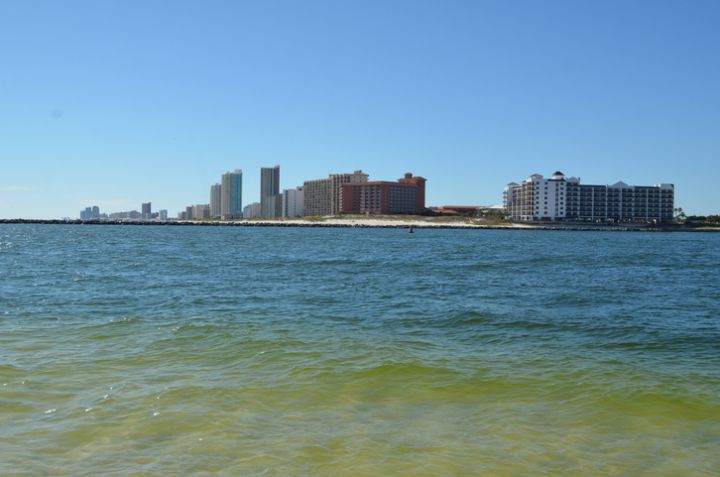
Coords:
pixel 117 103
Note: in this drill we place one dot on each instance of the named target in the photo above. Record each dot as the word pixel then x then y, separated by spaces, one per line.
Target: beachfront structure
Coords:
pixel 146 210
pixel 163 214
pixel 471 210
pixel 215 200
pixel 561 198
pixel 317 197
pixel 293 202
pixel 231 195
pixel 252 211
pixel 201 211
pixel 131 215
pixel 324 196
pixel 406 196
pixel 270 202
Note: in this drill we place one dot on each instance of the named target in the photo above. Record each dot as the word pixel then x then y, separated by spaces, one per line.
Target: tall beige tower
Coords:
pixel 324 196
pixel 215 200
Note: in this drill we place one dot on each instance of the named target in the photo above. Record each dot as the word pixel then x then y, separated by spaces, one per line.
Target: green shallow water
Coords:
pixel 214 351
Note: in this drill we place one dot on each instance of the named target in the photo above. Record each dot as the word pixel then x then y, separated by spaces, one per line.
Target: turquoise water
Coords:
pixel 358 352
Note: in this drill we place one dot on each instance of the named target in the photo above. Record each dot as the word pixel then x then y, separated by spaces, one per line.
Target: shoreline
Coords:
pixel 372 223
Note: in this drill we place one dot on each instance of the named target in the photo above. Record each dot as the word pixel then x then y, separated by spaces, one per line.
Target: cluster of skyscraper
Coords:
pixel 560 198
pixel 226 196
pixel 225 200
pixel 348 192
pixel 90 213
pixel 536 199
pixel 93 213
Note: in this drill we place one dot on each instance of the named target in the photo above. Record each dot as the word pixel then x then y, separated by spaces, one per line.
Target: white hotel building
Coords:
pixel 252 211
pixel 293 202
pixel 560 198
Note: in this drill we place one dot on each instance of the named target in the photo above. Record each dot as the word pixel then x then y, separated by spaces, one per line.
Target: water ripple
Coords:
pixel 179 350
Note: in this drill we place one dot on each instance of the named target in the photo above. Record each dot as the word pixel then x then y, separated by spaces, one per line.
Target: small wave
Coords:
pixel 334 261
pixel 466 318
pixel 480 266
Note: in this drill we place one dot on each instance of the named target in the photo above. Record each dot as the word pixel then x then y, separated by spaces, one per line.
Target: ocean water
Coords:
pixel 356 352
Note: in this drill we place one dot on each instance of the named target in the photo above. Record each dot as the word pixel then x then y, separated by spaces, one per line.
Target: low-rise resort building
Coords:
pixel 564 199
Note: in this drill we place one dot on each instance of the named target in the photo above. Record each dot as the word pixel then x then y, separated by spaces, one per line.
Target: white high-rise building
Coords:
pixel 252 211
pixel 215 200
pixel 201 211
pixel 293 202
pixel 231 195
pixel 560 198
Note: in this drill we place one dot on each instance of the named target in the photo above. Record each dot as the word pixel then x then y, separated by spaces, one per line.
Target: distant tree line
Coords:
pixel 492 214
pixel 703 219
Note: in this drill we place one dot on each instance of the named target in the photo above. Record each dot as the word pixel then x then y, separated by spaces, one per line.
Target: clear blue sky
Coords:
pixel 118 102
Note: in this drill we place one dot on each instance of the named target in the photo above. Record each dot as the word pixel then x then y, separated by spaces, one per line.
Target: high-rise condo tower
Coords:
pixel 231 195
pixel 270 198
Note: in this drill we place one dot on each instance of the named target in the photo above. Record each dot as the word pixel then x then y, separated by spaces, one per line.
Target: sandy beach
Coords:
pixel 416 222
